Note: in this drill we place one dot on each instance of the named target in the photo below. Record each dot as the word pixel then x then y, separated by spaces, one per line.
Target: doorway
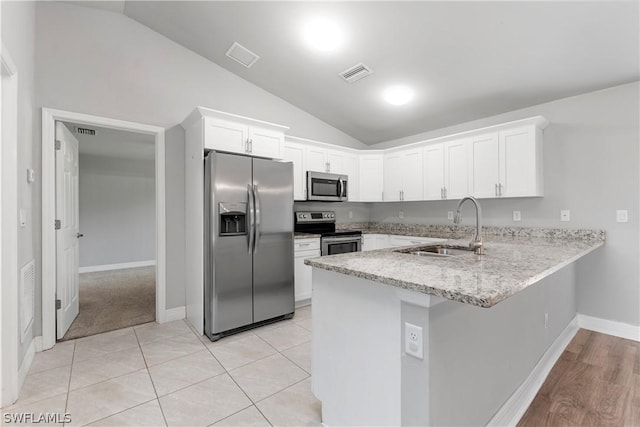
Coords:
pixel 51 284
pixel 115 231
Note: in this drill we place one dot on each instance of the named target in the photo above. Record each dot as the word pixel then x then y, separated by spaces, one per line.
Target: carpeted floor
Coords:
pixel 114 299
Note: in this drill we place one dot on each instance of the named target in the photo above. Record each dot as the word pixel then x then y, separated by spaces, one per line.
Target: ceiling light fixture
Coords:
pixel 398 95
pixel 323 35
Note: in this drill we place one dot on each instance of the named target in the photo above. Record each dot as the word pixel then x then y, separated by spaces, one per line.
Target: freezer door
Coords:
pixel 228 258
pixel 273 255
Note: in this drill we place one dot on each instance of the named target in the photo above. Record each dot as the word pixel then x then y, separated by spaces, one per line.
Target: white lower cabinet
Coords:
pixel 303 249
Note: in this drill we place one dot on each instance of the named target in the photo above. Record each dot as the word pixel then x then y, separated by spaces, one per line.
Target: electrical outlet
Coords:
pixel 401 214
pixel 31 176
pixel 413 344
pixel 350 214
pixel 516 216
pixel 546 320
pixel 450 215
pixel 565 215
pixel 622 216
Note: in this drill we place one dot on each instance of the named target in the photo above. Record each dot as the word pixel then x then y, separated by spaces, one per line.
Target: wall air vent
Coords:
pixel 356 73
pixel 242 55
pixel 85 131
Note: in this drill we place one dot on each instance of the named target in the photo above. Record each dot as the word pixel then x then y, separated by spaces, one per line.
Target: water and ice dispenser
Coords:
pixel 233 218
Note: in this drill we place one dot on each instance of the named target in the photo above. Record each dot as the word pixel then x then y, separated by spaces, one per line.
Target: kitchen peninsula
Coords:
pixel 479 325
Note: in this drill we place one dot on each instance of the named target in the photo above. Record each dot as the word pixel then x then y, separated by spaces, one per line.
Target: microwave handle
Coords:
pixel 339 187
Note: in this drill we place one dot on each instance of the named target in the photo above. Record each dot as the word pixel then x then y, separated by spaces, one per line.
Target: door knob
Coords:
pixel 79 235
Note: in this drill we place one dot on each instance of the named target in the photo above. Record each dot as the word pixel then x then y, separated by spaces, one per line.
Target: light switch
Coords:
pixel 450 215
pixel 516 216
pixel 622 216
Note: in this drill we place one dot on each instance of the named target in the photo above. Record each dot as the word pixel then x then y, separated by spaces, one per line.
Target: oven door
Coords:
pixel 341 245
pixel 326 187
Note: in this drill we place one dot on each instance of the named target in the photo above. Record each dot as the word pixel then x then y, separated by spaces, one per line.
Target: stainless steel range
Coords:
pixel 332 242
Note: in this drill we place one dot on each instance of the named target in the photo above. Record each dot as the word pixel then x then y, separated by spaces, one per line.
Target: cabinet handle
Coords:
pixel 246 146
pixel 496 190
pixel 445 192
pixel 251 145
pixel 441 192
pixel 499 189
pixel 327 167
pixel 304 244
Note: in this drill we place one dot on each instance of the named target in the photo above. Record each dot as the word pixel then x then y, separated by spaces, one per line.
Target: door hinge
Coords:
pixel 57 224
pixel 58 304
pixel 58 144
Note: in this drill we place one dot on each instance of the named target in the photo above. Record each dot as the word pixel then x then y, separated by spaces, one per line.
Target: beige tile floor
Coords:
pixel 165 375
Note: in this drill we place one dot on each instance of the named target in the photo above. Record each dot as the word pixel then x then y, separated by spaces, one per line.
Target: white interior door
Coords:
pixel 67 254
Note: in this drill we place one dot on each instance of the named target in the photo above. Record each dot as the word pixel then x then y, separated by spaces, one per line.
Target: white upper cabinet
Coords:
pixel 224 135
pixel 238 134
pixel 434 171
pixel 403 175
pixel 265 142
pixel 521 162
pixel 295 153
pixel 485 165
pixel 317 159
pixel 371 177
pixel 456 169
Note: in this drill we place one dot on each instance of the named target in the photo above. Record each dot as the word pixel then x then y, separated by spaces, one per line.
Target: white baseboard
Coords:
pixel 515 407
pixel 172 314
pixel 38 343
pixel 303 302
pixel 609 327
pixel 107 267
pixel 26 363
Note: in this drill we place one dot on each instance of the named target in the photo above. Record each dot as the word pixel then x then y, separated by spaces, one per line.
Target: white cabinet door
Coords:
pixel 412 176
pixel 485 165
pixel 393 173
pixel 434 172
pixel 382 241
pixel 368 242
pixel 316 159
pixel 349 167
pixel 295 153
pixel 225 135
pixel 456 169
pixel 371 177
pixel 265 143
pixel 303 249
pixel 520 163
pixel 335 161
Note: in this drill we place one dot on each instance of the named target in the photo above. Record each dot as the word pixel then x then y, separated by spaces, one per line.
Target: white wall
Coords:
pixel 106 64
pixel 591 166
pixel 18 27
pixel 117 210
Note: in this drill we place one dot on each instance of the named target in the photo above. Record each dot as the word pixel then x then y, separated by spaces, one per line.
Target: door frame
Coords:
pixel 11 378
pixel 49 117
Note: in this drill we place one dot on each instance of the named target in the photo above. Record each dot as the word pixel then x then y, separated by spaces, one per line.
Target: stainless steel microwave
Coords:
pixel 327 187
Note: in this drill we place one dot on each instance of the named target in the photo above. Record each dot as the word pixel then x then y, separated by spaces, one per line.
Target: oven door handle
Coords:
pixel 331 240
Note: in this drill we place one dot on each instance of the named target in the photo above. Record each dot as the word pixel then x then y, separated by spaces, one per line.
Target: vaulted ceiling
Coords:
pixel 465 60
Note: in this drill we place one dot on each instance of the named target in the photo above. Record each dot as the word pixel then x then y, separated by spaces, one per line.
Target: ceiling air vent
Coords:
pixel 242 55
pixel 85 131
pixel 355 73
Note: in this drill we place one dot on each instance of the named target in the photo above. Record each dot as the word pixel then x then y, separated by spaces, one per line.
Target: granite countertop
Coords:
pixel 512 262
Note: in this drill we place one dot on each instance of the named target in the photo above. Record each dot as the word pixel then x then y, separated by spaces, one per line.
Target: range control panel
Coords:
pixel 311 217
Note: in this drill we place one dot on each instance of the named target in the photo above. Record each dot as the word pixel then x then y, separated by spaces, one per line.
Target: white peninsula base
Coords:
pixel 474 358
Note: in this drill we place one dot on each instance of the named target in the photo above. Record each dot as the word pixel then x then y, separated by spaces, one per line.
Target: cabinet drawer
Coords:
pixel 306 244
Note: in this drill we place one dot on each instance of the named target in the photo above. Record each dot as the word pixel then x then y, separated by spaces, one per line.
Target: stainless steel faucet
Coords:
pixel 476 243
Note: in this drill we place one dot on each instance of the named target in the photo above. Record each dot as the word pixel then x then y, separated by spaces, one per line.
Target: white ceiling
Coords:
pixel 114 143
pixel 466 60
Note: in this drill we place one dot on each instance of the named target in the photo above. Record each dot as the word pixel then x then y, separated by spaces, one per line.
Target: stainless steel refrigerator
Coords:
pixel 248 242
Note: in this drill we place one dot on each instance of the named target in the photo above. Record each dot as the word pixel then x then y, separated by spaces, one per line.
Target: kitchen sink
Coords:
pixel 442 251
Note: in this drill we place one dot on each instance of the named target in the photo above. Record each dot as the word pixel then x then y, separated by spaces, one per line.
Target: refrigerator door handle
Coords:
pixel 256 194
pixel 252 219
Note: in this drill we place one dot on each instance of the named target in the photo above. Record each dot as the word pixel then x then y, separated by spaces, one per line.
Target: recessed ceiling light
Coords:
pixel 323 35
pixel 398 95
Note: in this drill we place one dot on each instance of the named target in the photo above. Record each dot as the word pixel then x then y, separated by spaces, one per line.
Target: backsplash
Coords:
pixel 456 232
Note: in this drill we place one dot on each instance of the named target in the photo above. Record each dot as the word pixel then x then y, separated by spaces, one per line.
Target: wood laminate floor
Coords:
pixel 596 382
